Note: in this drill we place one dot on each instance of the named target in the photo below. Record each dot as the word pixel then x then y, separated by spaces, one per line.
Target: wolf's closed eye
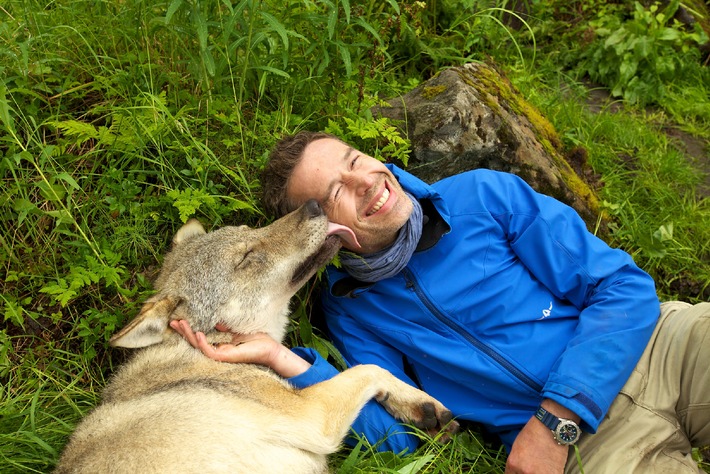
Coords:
pixel 245 259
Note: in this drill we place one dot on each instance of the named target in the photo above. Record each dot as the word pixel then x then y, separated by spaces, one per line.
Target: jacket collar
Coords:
pixel 420 190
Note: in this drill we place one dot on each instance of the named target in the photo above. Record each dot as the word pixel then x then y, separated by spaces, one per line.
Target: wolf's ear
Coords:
pixel 192 228
pixel 149 327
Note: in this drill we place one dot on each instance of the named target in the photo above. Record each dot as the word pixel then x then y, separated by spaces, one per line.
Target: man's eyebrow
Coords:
pixel 326 201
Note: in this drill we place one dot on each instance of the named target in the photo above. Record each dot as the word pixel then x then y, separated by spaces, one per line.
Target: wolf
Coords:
pixel 172 409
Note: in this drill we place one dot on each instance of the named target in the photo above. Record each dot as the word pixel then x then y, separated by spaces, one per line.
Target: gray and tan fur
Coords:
pixel 171 409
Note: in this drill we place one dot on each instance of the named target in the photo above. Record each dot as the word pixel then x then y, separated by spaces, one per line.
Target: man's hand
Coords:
pixel 535 450
pixel 257 348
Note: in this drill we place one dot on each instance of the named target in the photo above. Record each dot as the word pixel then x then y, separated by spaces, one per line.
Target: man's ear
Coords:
pixel 149 327
pixel 192 228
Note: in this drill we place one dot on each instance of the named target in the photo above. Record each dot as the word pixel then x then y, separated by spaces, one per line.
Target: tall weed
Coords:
pixel 640 57
pixel 120 120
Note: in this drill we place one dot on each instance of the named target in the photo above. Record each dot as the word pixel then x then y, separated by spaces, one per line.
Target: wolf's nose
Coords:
pixel 312 209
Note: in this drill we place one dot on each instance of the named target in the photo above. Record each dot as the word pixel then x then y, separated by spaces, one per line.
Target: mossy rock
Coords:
pixel 472 117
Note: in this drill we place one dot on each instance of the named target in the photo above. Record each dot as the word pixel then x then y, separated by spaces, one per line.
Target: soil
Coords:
pixel 698 153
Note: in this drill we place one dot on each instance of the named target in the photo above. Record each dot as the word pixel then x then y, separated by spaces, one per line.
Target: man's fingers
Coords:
pixel 183 328
pixel 202 344
pixel 188 333
pixel 250 348
pixel 221 327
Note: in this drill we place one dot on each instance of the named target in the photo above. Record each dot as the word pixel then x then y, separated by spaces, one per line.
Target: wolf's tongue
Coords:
pixel 345 233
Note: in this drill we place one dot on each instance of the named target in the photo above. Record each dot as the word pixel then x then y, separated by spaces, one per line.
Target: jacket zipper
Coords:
pixel 498 358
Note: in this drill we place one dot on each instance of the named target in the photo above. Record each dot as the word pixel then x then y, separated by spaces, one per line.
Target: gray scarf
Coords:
pixel 390 260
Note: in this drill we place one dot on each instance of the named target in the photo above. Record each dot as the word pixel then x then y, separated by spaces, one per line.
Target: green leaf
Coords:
pixel 5 111
pixel 23 207
pixel 348 465
pixel 229 6
pixel 75 128
pixel 188 201
pixel 62 216
pixel 368 27
pixel 13 311
pixel 394 5
pixel 628 68
pixel 345 56
pixel 669 34
pixel 642 46
pixel 208 61
pixel 201 26
pixel 277 26
pixel 238 204
pixel 326 349
pixel 346 10
pixel 172 8
pixel 664 233
pixel 51 191
pixel 615 38
pixel 332 22
pixel 67 178
pixel 273 70
pixel 60 291
pixel 416 465
pixel 305 329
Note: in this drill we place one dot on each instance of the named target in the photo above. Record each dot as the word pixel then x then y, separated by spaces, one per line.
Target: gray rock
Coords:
pixel 472 117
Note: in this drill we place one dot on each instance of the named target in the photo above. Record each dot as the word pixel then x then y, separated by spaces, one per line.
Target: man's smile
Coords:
pixel 378 205
pixel 383 201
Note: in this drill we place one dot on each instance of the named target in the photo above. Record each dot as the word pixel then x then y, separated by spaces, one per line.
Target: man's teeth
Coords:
pixel 381 202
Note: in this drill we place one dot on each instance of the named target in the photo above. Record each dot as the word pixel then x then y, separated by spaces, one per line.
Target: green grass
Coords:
pixel 42 399
pixel 119 120
pixel 650 187
pixel 465 453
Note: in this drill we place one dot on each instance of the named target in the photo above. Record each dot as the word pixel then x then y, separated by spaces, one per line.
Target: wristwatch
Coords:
pixel 564 431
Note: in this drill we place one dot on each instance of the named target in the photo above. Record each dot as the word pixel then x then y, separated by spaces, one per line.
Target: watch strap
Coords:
pixel 547 418
pixel 564 431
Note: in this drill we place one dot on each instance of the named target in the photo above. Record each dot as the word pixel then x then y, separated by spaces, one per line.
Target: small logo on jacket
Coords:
pixel 546 312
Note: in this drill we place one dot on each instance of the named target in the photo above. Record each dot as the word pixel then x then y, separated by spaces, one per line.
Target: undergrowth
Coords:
pixel 121 120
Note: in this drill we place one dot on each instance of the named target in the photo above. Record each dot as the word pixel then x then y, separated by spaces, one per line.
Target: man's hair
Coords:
pixel 287 153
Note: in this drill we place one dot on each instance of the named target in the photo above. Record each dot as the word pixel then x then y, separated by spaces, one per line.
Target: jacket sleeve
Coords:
pixel 374 423
pixel 617 300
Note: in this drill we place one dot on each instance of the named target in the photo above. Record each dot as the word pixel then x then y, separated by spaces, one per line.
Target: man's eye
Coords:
pixel 353 162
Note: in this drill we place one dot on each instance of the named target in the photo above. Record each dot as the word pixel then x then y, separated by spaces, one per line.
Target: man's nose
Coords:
pixel 360 182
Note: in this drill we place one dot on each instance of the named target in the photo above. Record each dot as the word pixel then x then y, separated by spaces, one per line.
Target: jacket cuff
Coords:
pixel 585 407
pixel 320 368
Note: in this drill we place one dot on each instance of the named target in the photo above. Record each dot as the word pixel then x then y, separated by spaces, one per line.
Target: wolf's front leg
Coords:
pixel 333 405
pixel 411 405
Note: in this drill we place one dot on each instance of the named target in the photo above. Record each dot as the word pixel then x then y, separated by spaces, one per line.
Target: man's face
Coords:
pixel 355 190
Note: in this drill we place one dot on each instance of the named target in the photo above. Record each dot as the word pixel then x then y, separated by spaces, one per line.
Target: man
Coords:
pixel 496 300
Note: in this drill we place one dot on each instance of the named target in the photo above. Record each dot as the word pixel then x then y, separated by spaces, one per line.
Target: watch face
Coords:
pixel 567 432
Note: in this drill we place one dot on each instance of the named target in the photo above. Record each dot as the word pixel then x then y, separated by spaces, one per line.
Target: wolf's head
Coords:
pixel 241 277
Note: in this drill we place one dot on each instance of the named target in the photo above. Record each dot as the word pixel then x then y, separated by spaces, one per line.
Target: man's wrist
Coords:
pixel 560 421
pixel 559 411
pixel 287 364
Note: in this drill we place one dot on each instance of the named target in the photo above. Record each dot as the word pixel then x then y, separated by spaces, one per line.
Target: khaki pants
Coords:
pixel 664 408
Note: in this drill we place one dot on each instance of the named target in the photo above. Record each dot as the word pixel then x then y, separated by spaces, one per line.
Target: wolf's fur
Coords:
pixel 171 409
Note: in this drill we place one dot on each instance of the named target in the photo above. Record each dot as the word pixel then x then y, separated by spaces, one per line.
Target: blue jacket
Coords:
pixel 514 303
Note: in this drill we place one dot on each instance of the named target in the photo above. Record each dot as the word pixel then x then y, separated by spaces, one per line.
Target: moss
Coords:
pixel 488 96
pixel 496 92
pixel 497 85
pixel 430 92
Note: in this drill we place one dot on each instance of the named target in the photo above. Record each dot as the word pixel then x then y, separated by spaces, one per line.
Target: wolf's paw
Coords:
pixel 413 406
